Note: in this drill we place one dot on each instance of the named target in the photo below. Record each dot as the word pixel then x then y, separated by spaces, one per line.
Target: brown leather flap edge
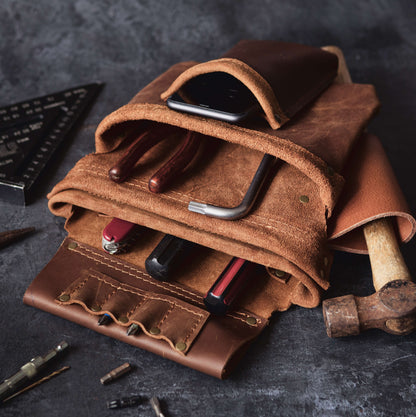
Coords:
pixel 283 76
pixel 371 191
pixel 216 346
pixel 260 88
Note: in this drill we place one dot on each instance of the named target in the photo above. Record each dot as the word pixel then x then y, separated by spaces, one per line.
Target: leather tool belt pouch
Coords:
pixel 311 132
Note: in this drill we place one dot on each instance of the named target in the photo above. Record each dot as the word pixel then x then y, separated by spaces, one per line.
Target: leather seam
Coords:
pixel 192 330
pixel 230 315
pixel 135 307
pixel 172 306
pixel 78 287
pixel 151 297
pixel 189 198
pixel 109 296
pixel 142 278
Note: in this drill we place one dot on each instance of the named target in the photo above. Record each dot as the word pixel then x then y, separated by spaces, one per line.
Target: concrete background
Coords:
pixel 293 369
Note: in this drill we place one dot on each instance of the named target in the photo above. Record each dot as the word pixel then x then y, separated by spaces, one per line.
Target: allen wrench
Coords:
pixel 178 163
pixel 234 213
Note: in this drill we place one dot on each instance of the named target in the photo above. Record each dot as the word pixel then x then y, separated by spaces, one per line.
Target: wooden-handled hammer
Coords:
pixel 392 307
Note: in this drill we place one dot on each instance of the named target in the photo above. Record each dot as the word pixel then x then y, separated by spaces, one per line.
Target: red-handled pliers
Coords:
pixel 147 140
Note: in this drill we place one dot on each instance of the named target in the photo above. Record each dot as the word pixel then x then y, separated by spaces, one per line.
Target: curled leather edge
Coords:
pixel 260 88
pixel 328 181
pixel 371 192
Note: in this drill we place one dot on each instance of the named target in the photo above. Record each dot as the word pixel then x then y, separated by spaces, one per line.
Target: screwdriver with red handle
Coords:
pixel 231 282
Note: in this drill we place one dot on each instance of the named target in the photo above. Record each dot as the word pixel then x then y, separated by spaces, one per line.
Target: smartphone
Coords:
pixel 216 95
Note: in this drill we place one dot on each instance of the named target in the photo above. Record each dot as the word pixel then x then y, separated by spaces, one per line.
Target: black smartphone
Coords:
pixel 217 95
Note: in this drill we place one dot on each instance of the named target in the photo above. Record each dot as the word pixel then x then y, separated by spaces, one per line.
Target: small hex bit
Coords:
pixel 115 373
pixel 124 402
pixel 104 320
pixel 133 329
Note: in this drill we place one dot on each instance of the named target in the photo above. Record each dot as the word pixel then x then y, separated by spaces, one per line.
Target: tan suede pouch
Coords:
pixel 286 230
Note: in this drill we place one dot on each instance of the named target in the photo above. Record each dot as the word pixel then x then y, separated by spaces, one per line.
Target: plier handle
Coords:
pixel 147 140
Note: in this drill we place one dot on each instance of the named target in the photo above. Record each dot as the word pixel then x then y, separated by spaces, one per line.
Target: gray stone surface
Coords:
pixel 293 369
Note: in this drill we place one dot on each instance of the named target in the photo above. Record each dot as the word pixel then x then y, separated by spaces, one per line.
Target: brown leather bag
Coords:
pixel 311 132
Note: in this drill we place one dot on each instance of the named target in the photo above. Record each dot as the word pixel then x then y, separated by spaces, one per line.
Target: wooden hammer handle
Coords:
pixel 386 260
pixel 387 263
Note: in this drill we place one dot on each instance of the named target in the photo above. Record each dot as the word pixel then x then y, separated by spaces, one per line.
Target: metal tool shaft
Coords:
pixel 28 371
pixel 249 199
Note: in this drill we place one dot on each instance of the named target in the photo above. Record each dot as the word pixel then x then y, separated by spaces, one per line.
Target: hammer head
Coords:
pixel 392 309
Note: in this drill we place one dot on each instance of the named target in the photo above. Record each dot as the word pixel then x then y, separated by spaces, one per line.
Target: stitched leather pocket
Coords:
pixel 287 227
pixel 80 283
pixel 158 315
pixel 283 76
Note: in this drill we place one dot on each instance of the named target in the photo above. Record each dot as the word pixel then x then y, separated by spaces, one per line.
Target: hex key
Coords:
pixel 245 206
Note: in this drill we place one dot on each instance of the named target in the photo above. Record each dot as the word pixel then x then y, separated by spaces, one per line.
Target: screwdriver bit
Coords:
pixel 154 402
pixel 124 402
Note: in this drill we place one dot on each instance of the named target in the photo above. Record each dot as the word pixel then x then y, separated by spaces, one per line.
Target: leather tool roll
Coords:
pixel 311 133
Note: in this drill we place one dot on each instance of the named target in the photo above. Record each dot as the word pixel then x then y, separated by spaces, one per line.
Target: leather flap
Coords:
pixel 96 280
pixel 283 77
pixel 371 191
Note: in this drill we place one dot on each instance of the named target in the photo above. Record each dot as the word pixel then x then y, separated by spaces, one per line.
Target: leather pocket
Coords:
pixel 159 316
pixel 286 229
pixel 80 283
pixel 282 76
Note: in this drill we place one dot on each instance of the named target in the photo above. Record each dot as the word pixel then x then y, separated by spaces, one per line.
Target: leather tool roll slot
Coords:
pixel 159 316
pixel 172 316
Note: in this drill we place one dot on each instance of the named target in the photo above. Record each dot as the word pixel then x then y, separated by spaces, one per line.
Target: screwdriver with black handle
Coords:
pixel 168 256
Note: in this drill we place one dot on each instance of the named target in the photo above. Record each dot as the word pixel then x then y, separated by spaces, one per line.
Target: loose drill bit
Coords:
pixel 40 381
pixel 28 371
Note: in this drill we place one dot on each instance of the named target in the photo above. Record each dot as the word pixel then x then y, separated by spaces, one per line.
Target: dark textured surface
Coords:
pixel 293 369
